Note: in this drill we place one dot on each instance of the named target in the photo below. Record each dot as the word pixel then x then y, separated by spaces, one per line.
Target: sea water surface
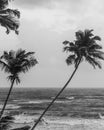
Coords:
pixel 72 103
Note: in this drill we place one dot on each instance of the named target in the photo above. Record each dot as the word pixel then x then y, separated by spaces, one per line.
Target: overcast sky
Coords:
pixel 44 25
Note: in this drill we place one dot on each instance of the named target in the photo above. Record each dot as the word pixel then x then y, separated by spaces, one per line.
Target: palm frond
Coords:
pixel 5 56
pixel 17 80
pixel 14 77
pixel 97 55
pixel 95 46
pixel 70 47
pixel 3 4
pixel 11 54
pixel 9 17
pixel 29 54
pixel 28 64
pixel 93 62
pixel 66 42
pixel 79 35
pixel 20 53
pixel 10 23
pixel 96 38
pixel 70 59
pixel 4 67
pixel 66 49
pixel 10 78
pixel 12 12
pixel 88 32
pixel 8 57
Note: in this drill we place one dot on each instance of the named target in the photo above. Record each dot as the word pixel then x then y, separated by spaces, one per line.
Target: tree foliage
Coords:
pixel 85 46
pixel 6 122
pixel 16 62
pixel 9 17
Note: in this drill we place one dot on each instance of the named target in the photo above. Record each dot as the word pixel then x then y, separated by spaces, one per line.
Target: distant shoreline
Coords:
pixel 38 88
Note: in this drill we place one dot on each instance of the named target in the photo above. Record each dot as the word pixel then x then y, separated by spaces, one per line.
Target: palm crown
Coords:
pixel 84 47
pixel 15 63
pixel 9 17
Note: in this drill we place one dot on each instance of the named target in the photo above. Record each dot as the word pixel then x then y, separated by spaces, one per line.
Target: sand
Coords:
pixel 74 125
pixel 64 124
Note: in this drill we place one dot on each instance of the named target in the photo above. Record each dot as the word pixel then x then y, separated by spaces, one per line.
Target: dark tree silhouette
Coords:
pixel 6 122
pixel 22 128
pixel 15 63
pixel 9 17
pixel 84 47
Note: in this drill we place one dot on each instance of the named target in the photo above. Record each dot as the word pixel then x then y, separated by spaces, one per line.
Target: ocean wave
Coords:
pixel 34 102
pixel 63 98
pixel 42 101
pixel 26 118
pixel 70 98
pixel 11 106
pixel 55 120
pixel 21 118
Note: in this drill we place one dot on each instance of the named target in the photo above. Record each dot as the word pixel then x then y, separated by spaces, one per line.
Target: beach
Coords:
pixel 75 109
pixel 65 124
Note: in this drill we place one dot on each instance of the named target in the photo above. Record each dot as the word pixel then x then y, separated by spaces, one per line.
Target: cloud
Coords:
pixel 42 21
pixel 61 15
pixel 56 20
pixel 33 3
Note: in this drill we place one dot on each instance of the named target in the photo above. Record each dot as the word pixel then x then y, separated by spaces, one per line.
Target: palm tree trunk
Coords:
pixel 5 103
pixel 56 97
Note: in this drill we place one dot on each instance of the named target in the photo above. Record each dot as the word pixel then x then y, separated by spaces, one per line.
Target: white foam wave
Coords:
pixel 10 106
pixel 70 98
pixel 23 118
pixel 35 102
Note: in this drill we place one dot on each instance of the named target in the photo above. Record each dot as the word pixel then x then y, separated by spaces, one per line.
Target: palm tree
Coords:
pixel 85 47
pixel 9 17
pixel 15 63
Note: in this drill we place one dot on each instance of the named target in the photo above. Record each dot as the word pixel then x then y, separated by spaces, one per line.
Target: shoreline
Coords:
pixel 65 124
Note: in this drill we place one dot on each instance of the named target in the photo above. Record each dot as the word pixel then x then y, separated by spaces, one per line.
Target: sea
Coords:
pixel 72 103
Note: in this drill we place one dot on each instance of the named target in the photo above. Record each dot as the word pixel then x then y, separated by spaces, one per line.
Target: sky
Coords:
pixel 44 25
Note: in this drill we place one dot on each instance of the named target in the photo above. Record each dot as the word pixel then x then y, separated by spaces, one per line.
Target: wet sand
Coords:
pixel 67 124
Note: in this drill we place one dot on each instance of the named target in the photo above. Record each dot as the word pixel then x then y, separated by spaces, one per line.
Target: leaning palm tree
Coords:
pixel 85 47
pixel 9 17
pixel 15 63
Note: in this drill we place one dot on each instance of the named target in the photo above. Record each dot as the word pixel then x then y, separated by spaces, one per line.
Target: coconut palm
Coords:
pixel 9 17
pixel 14 63
pixel 84 47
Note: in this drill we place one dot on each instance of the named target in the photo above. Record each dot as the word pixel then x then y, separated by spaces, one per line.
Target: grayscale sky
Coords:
pixel 44 25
